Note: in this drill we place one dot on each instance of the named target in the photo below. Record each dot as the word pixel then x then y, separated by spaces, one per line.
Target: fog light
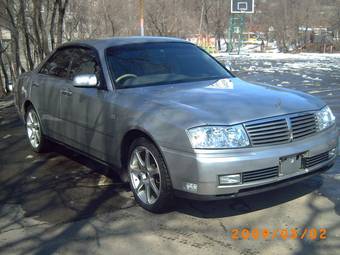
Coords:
pixel 190 187
pixel 230 179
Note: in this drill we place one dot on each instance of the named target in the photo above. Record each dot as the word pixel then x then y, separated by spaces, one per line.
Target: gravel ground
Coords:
pixel 63 203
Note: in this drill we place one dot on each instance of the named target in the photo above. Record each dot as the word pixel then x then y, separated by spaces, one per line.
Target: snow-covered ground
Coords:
pixel 282 62
pixel 316 74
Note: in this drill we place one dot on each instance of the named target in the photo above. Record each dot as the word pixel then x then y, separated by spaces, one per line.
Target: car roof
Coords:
pixel 101 44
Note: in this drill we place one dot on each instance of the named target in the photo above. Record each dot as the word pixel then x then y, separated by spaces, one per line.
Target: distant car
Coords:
pixel 174 120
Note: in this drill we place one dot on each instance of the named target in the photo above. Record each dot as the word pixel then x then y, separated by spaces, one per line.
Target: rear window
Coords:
pixel 161 63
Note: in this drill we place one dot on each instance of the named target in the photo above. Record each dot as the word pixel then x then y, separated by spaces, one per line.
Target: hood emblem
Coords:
pixel 278 104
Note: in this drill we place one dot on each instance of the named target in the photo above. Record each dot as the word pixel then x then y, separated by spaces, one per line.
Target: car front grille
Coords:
pixel 268 132
pixel 303 125
pixel 315 160
pixel 281 129
pixel 261 174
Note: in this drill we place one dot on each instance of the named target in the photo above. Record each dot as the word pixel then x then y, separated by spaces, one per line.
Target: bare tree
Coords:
pixel 62 4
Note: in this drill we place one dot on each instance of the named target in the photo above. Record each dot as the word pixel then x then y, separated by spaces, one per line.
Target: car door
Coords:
pixel 84 109
pixel 48 81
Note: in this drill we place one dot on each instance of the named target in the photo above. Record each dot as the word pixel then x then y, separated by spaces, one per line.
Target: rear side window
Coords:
pixel 58 64
pixel 84 62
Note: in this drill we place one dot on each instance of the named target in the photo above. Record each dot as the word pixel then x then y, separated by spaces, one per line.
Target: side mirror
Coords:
pixel 85 80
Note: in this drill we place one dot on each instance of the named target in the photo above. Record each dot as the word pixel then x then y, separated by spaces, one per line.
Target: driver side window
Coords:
pixel 58 64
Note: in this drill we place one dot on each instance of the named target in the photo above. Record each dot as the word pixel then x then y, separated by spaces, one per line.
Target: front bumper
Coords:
pixel 203 167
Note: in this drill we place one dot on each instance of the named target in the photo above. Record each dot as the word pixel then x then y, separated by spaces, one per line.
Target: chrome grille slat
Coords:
pixel 319 155
pixel 274 135
pixel 303 135
pixel 308 129
pixel 256 172
pixel 269 132
pixel 296 129
pixel 271 142
pixel 271 129
pixel 264 125
pixel 302 117
pixel 303 125
pixel 261 174
pixel 315 160
pixel 306 122
pixel 279 130
pixel 259 178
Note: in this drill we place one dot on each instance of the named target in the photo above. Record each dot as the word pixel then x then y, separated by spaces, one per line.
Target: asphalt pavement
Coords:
pixel 62 203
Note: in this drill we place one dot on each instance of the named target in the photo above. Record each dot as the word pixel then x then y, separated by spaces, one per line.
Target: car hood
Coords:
pixel 225 102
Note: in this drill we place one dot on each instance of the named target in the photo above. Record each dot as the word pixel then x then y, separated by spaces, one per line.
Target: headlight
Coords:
pixel 325 118
pixel 218 137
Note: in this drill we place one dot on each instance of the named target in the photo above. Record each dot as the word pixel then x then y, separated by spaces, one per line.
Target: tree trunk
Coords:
pixel 4 72
pixel 26 35
pixel 11 68
pixel 43 32
pixel 61 14
pixel 36 13
pixel 2 64
pixel 2 88
pixel 14 40
pixel 52 24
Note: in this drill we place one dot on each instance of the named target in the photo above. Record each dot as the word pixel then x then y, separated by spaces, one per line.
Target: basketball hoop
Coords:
pixel 242 6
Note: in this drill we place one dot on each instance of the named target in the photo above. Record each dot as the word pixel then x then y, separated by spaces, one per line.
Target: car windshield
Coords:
pixel 161 63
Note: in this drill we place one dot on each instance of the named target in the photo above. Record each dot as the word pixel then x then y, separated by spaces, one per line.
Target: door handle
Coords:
pixel 66 92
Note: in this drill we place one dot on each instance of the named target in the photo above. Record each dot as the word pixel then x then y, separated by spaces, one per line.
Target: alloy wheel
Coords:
pixel 33 129
pixel 145 175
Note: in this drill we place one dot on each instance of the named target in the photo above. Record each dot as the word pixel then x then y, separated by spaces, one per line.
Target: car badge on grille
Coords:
pixel 290 129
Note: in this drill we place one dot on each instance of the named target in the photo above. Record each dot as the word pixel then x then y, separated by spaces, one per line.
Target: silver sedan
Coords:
pixel 173 120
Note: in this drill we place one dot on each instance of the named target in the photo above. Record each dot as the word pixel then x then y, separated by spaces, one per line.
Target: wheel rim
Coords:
pixel 145 175
pixel 33 129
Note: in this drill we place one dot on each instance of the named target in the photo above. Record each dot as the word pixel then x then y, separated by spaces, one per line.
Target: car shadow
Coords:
pixel 85 181
pixel 248 204
pixel 203 209
pixel 59 186
pixel 55 187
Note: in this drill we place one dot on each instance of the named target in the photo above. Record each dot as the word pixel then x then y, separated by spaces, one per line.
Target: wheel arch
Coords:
pixel 25 106
pixel 128 139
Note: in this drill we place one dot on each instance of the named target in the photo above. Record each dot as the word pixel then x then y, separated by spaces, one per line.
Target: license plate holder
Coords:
pixel 291 164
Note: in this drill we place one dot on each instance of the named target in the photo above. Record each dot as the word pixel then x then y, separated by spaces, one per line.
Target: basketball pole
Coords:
pixel 237 23
pixel 242 28
pixel 236 20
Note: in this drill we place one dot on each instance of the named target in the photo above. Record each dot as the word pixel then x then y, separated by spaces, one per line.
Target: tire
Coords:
pixel 146 176
pixel 35 137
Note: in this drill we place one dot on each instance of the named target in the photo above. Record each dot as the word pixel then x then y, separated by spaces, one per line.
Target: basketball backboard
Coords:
pixel 242 6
